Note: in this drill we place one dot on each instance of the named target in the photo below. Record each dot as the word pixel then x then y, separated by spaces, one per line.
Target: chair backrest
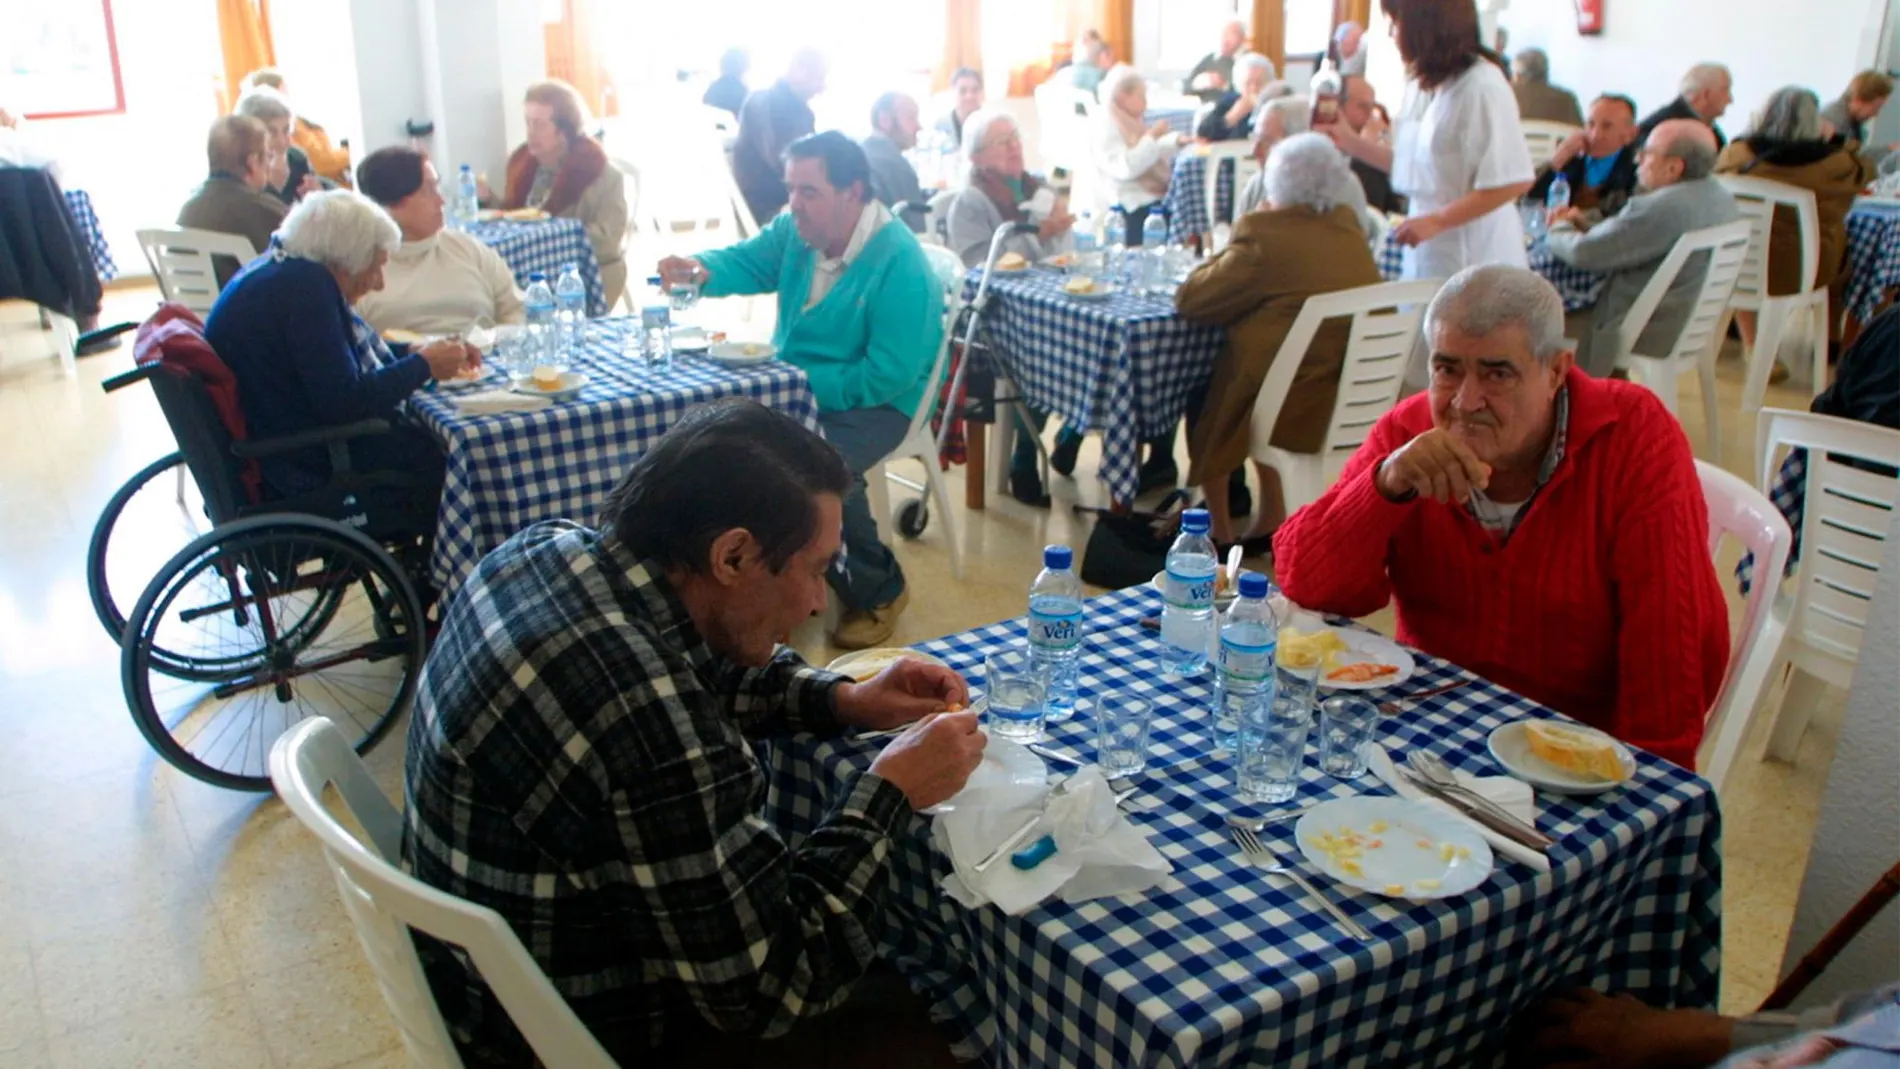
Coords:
pixel 937 214
pixel 1216 154
pixel 1847 514
pixel 690 209
pixel 1757 199
pixel 384 903
pixel 1738 510
pixel 1722 249
pixel 181 261
pixel 1385 323
pixel 1542 137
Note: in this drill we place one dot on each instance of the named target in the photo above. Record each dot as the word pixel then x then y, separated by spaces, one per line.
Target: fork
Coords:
pixel 1260 857
pixel 1440 776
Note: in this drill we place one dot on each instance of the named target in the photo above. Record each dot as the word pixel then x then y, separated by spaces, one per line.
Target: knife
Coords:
pixel 1509 827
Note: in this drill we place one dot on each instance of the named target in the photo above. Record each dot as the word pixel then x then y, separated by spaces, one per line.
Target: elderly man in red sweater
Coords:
pixel 1539 527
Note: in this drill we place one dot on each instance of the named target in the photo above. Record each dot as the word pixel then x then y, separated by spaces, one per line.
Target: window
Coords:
pixel 1309 27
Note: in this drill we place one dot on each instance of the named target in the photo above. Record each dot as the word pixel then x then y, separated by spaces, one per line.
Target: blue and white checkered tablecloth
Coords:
pixel 545 246
pixel 1223 965
pixel 81 204
pixel 1790 495
pixel 1179 120
pixel 513 469
pixel 1124 366
pixel 1580 288
pixel 1873 256
pixel 1187 196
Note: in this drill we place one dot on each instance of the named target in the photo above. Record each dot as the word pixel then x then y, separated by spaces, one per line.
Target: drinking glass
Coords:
pixel 1121 735
pixel 683 296
pixel 1271 750
pixel 1015 686
pixel 1345 726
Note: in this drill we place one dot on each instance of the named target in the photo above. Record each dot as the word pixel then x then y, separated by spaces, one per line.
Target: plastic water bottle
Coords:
pixel 1249 642
pixel 1558 195
pixel 570 302
pixel 1154 248
pixel 542 323
pixel 1187 611
pixel 468 203
pixel 656 325
pixel 1055 628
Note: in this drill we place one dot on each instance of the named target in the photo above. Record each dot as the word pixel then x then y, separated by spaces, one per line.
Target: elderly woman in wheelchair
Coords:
pixel 301 586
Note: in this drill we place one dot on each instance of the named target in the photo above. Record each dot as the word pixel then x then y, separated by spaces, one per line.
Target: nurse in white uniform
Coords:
pixel 1459 153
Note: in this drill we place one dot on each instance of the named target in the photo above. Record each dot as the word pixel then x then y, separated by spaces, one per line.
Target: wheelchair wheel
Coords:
pixel 156 519
pixel 913 517
pixel 301 617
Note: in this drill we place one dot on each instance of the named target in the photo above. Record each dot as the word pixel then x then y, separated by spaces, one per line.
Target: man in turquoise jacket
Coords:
pixel 861 313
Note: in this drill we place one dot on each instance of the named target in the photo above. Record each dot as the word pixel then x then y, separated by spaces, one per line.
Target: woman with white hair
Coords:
pixel 1280 119
pixel 1305 242
pixel 1230 116
pixel 304 360
pixel 290 173
pixel 1134 161
pixel 1000 191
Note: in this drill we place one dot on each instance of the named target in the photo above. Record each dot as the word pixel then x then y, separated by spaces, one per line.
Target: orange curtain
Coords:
pixel 962 40
pixel 244 35
pixel 1114 20
pixel 570 54
pixel 1269 31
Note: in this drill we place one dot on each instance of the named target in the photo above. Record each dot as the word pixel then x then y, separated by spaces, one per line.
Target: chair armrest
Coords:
pixel 270 447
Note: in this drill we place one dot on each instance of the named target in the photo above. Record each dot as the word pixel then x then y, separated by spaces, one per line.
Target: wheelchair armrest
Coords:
pixel 331 436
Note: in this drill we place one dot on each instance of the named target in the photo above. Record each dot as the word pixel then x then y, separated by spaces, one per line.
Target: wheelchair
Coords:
pixel 239 615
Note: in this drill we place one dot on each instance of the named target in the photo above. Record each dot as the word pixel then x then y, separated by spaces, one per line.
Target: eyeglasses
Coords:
pixel 1012 138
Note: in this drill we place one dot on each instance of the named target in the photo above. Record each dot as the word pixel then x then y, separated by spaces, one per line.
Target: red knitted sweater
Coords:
pixel 1603 604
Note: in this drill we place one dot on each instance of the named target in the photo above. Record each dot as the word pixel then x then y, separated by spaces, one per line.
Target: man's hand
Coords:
pixel 1055 224
pixel 1434 465
pixel 1159 130
pixel 1585 1029
pixel 482 193
pixel 448 357
pixel 910 688
pixel 1419 229
pixel 310 184
pixel 1568 215
pixel 1568 148
pixel 677 270
pixel 934 758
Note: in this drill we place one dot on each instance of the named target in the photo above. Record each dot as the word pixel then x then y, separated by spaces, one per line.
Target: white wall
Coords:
pixel 1646 46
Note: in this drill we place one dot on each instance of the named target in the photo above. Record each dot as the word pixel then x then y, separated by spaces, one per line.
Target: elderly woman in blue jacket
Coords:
pixel 861 313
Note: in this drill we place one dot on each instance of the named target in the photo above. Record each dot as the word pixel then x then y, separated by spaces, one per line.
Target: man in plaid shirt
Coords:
pixel 578 758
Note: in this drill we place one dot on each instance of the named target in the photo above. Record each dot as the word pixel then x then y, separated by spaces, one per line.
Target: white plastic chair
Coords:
pixel 919 442
pixel 1845 521
pixel 1386 319
pixel 1724 247
pixel 1739 510
pixel 1237 151
pixel 181 262
pixel 384 903
pixel 1542 137
pixel 1804 311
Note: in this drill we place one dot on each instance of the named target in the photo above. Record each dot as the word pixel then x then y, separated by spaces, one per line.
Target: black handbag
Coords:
pixel 1126 549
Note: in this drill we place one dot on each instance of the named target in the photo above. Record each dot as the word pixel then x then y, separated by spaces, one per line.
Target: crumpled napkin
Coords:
pixel 1514 795
pixel 1099 853
pixel 493 402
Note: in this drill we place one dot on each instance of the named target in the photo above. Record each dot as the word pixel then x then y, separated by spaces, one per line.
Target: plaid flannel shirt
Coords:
pixel 578 762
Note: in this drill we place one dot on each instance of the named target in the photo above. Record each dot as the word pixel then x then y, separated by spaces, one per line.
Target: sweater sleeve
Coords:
pixel 751 266
pixel 1331 555
pixel 906 325
pixel 319 350
pixel 1672 632
pixel 1635 236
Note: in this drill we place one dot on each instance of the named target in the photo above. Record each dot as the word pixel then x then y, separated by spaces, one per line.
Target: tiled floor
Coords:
pixel 147 919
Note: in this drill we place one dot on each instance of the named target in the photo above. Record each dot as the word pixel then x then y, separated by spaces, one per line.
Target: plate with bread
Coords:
pixel 1348 658
pixel 740 353
pixel 1084 288
pixel 1011 263
pixel 866 664
pixel 1562 757
pixel 552 383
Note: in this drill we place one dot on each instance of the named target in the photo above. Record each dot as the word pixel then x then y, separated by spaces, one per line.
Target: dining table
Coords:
pixel 545 245
pixel 1873 255
pixel 80 202
pixel 1186 202
pixel 1124 364
pixel 507 470
pixel 1579 288
pixel 1223 964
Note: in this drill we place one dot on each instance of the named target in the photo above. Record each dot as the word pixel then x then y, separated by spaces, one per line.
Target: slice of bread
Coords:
pixel 1584 753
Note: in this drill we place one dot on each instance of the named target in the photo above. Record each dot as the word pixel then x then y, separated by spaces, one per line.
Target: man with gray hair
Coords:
pixel 1677 195
pixel 290 174
pixel 1541 528
pixel 1707 91
pixel 1214 74
pixel 1349 48
pixel 233 199
pixel 1536 97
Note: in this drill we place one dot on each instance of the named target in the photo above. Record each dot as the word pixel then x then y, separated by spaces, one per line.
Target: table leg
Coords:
pixel 976 463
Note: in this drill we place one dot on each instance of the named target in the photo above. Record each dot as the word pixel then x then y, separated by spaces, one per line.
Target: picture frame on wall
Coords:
pixel 62 59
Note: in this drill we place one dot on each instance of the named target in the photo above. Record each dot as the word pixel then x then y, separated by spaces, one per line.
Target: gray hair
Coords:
pixel 1118 79
pixel 1247 61
pixel 1698 155
pixel 264 104
pixel 1532 64
pixel 340 229
pixel 1480 301
pixel 1296 116
pixel 1704 76
pixel 976 129
pixel 1306 169
pixel 1791 114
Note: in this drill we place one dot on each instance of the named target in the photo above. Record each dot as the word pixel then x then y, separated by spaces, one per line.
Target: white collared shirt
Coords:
pixel 826 272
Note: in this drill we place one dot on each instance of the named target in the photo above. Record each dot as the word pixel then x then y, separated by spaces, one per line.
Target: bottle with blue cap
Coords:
pixel 1249 642
pixel 1187 611
pixel 1056 629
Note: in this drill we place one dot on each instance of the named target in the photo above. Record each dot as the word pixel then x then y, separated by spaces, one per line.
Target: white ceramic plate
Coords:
pixel 1222 598
pixel 741 354
pixel 1361 645
pixel 864 664
pixel 572 383
pixel 1101 292
pixel 410 338
pixel 1511 748
pixel 1399 867
pixel 691 340
pixel 1001 270
pixel 484 377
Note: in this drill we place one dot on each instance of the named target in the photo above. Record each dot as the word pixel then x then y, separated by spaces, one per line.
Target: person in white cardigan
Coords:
pixel 1133 161
pixel 440 281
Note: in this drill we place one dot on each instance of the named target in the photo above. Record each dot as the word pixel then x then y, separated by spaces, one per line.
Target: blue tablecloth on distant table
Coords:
pixel 509 470
pixel 1187 196
pixel 1223 965
pixel 1580 288
pixel 1873 255
pixel 81 204
pixel 1179 120
pixel 1124 366
pixel 545 246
